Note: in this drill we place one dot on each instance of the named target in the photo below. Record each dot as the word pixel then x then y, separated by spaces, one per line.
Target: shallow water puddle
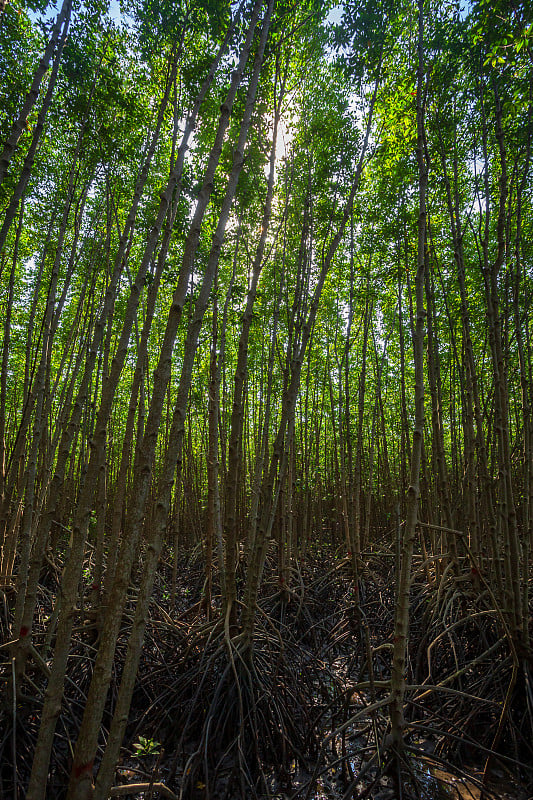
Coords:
pixel 442 785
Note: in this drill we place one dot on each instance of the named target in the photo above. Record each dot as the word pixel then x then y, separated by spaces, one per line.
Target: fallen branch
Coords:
pixel 135 788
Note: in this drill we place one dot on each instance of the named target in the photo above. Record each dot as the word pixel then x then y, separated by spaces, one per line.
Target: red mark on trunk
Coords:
pixel 82 769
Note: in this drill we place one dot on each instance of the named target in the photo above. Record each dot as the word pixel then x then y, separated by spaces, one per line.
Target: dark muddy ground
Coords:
pixel 297 720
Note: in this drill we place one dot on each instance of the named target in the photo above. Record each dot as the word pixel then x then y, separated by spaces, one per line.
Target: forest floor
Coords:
pixel 315 720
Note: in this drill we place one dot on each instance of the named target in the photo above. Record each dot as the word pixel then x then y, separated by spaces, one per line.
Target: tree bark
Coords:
pixel 56 40
pixel 401 622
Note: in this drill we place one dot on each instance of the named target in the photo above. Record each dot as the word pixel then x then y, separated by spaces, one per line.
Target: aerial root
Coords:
pixel 248 719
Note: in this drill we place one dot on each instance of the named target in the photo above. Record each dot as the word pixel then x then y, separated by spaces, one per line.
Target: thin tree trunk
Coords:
pixel 434 380
pixel 19 124
pixel 214 511
pixel 24 177
pixel 358 467
pixel 241 372
pixel 3 371
pixel 401 622
pixel 491 270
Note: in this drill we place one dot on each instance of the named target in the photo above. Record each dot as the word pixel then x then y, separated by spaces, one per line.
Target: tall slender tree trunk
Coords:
pixel 434 380
pixel 358 468
pixel 401 622
pixel 57 36
pixel 506 518
pixel 241 372
pixel 24 177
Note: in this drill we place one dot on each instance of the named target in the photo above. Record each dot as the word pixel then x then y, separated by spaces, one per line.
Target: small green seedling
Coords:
pixel 146 747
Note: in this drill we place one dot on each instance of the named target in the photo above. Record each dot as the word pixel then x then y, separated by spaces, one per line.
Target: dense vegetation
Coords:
pixel 266 393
